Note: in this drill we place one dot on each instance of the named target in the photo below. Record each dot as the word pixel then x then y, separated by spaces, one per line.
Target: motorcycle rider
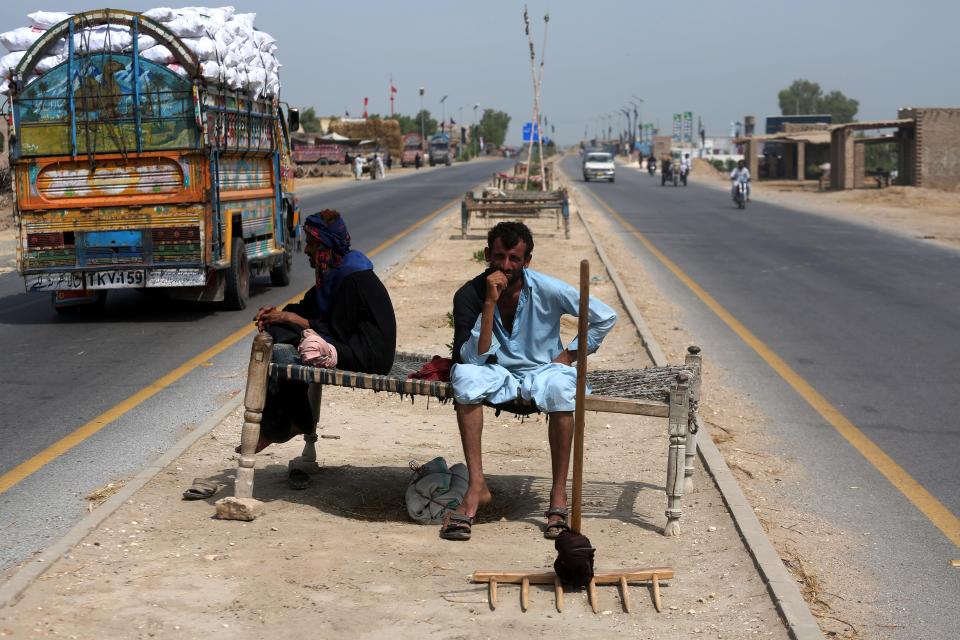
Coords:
pixel 740 174
pixel 652 163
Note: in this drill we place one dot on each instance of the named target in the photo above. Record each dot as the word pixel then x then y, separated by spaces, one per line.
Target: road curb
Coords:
pixel 782 587
pixel 31 570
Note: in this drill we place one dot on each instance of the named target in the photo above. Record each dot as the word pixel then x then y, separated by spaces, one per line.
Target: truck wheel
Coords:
pixel 280 274
pixel 237 290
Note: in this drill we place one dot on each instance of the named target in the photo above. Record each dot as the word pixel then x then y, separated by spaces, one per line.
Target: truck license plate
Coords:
pixel 116 279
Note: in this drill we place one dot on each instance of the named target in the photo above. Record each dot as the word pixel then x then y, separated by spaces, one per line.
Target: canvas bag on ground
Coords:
pixel 435 490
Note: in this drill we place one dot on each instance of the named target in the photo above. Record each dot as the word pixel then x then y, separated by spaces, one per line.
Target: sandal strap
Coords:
pixel 460 518
pixel 557 511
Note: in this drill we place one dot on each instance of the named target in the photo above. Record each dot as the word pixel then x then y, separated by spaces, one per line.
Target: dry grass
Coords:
pixel 98 496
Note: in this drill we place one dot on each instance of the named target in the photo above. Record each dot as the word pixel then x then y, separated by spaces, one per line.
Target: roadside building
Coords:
pixel 926 143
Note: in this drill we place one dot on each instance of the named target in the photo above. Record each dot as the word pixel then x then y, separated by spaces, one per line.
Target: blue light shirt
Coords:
pixel 535 338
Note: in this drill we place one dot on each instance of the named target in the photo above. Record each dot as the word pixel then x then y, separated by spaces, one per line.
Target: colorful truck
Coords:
pixel 412 147
pixel 133 174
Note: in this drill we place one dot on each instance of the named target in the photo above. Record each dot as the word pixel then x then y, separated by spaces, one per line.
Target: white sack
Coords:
pixel 187 25
pixel 102 39
pixel 210 70
pixel 159 54
pixel 20 39
pixel 161 14
pixel 49 62
pixel 214 14
pixel 177 69
pixel 46 19
pixel 10 62
pixel 204 48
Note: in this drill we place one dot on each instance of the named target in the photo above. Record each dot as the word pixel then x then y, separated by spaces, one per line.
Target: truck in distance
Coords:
pixel 440 149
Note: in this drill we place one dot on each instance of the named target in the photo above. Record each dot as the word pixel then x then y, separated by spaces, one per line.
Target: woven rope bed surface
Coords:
pixel 633 384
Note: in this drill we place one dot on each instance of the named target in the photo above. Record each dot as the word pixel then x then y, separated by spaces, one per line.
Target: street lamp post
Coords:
pixel 473 137
pixel 638 114
pixel 423 135
pixel 443 116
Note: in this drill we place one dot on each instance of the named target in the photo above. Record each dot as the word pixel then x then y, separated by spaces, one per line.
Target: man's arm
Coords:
pixel 600 318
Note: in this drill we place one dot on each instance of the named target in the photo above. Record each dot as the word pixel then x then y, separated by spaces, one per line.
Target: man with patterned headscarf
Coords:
pixel 345 320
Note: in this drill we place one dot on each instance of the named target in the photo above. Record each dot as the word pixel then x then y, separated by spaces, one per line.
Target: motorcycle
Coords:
pixel 668 174
pixel 651 167
pixel 740 194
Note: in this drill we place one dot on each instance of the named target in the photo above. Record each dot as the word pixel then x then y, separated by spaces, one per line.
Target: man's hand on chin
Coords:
pixel 565 357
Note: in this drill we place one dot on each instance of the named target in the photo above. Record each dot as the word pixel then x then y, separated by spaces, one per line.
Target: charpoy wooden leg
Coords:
pixel 525 594
pixel 253 401
pixel 624 594
pixel 558 593
pixel 493 593
pixel 307 460
pixel 677 429
pixel 655 587
pixel 693 359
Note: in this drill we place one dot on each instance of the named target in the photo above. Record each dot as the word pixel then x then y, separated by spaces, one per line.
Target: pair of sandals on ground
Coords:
pixel 459 526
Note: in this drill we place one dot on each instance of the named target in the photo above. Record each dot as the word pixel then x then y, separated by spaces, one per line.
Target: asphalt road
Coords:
pixel 61 373
pixel 872 321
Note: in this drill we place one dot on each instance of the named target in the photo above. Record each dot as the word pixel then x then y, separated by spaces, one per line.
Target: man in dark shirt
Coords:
pixel 348 307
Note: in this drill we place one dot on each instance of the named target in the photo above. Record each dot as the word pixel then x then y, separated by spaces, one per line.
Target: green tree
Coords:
pixel 842 108
pixel 309 120
pixel 493 126
pixel 803 97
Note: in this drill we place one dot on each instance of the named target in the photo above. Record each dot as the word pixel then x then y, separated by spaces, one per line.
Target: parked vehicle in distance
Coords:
pixel 598 165
pixel 412 145
pixel 440 149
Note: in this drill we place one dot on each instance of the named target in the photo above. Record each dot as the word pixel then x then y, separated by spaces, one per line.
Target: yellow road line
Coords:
pixel 933 509
pixel 68 442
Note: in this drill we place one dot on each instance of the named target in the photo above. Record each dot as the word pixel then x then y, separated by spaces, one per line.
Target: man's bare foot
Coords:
pixel 473 500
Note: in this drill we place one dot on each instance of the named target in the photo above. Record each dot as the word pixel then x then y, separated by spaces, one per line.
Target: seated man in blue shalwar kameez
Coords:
pixel 507 346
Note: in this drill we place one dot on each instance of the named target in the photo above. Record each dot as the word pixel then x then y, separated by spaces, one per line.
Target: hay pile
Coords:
pixel 385 132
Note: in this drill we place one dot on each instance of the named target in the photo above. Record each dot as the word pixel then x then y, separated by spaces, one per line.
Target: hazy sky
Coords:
pixel 721 60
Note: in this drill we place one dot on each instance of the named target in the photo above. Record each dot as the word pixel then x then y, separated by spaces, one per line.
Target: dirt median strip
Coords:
pixel 345 549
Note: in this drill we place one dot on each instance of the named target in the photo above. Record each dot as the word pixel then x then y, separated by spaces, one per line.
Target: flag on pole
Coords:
pixel 393 89
pixel 365 102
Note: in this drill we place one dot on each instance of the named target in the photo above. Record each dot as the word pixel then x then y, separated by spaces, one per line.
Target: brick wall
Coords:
pixel 938 147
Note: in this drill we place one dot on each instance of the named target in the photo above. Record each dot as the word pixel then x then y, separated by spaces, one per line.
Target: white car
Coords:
pixel 598 165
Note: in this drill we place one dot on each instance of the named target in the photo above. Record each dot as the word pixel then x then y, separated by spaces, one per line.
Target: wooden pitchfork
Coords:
pixel 621 577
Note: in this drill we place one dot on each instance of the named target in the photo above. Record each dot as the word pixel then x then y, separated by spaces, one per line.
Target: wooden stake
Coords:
pixel 594 599
pixel 655 583
pixel 579 413
pixel 493 594
pixel 624 594
pixel 525 594
pixel 558 592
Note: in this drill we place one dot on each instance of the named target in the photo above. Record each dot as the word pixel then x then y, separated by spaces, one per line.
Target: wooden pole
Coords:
pixel 579 411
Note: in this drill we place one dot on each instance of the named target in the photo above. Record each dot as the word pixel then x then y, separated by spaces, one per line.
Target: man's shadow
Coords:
pixel 376 494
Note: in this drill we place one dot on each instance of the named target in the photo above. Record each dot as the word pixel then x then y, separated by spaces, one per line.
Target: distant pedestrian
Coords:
pixel 389 162
pixel 378 166
pixel 417 161
pixel 357 167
